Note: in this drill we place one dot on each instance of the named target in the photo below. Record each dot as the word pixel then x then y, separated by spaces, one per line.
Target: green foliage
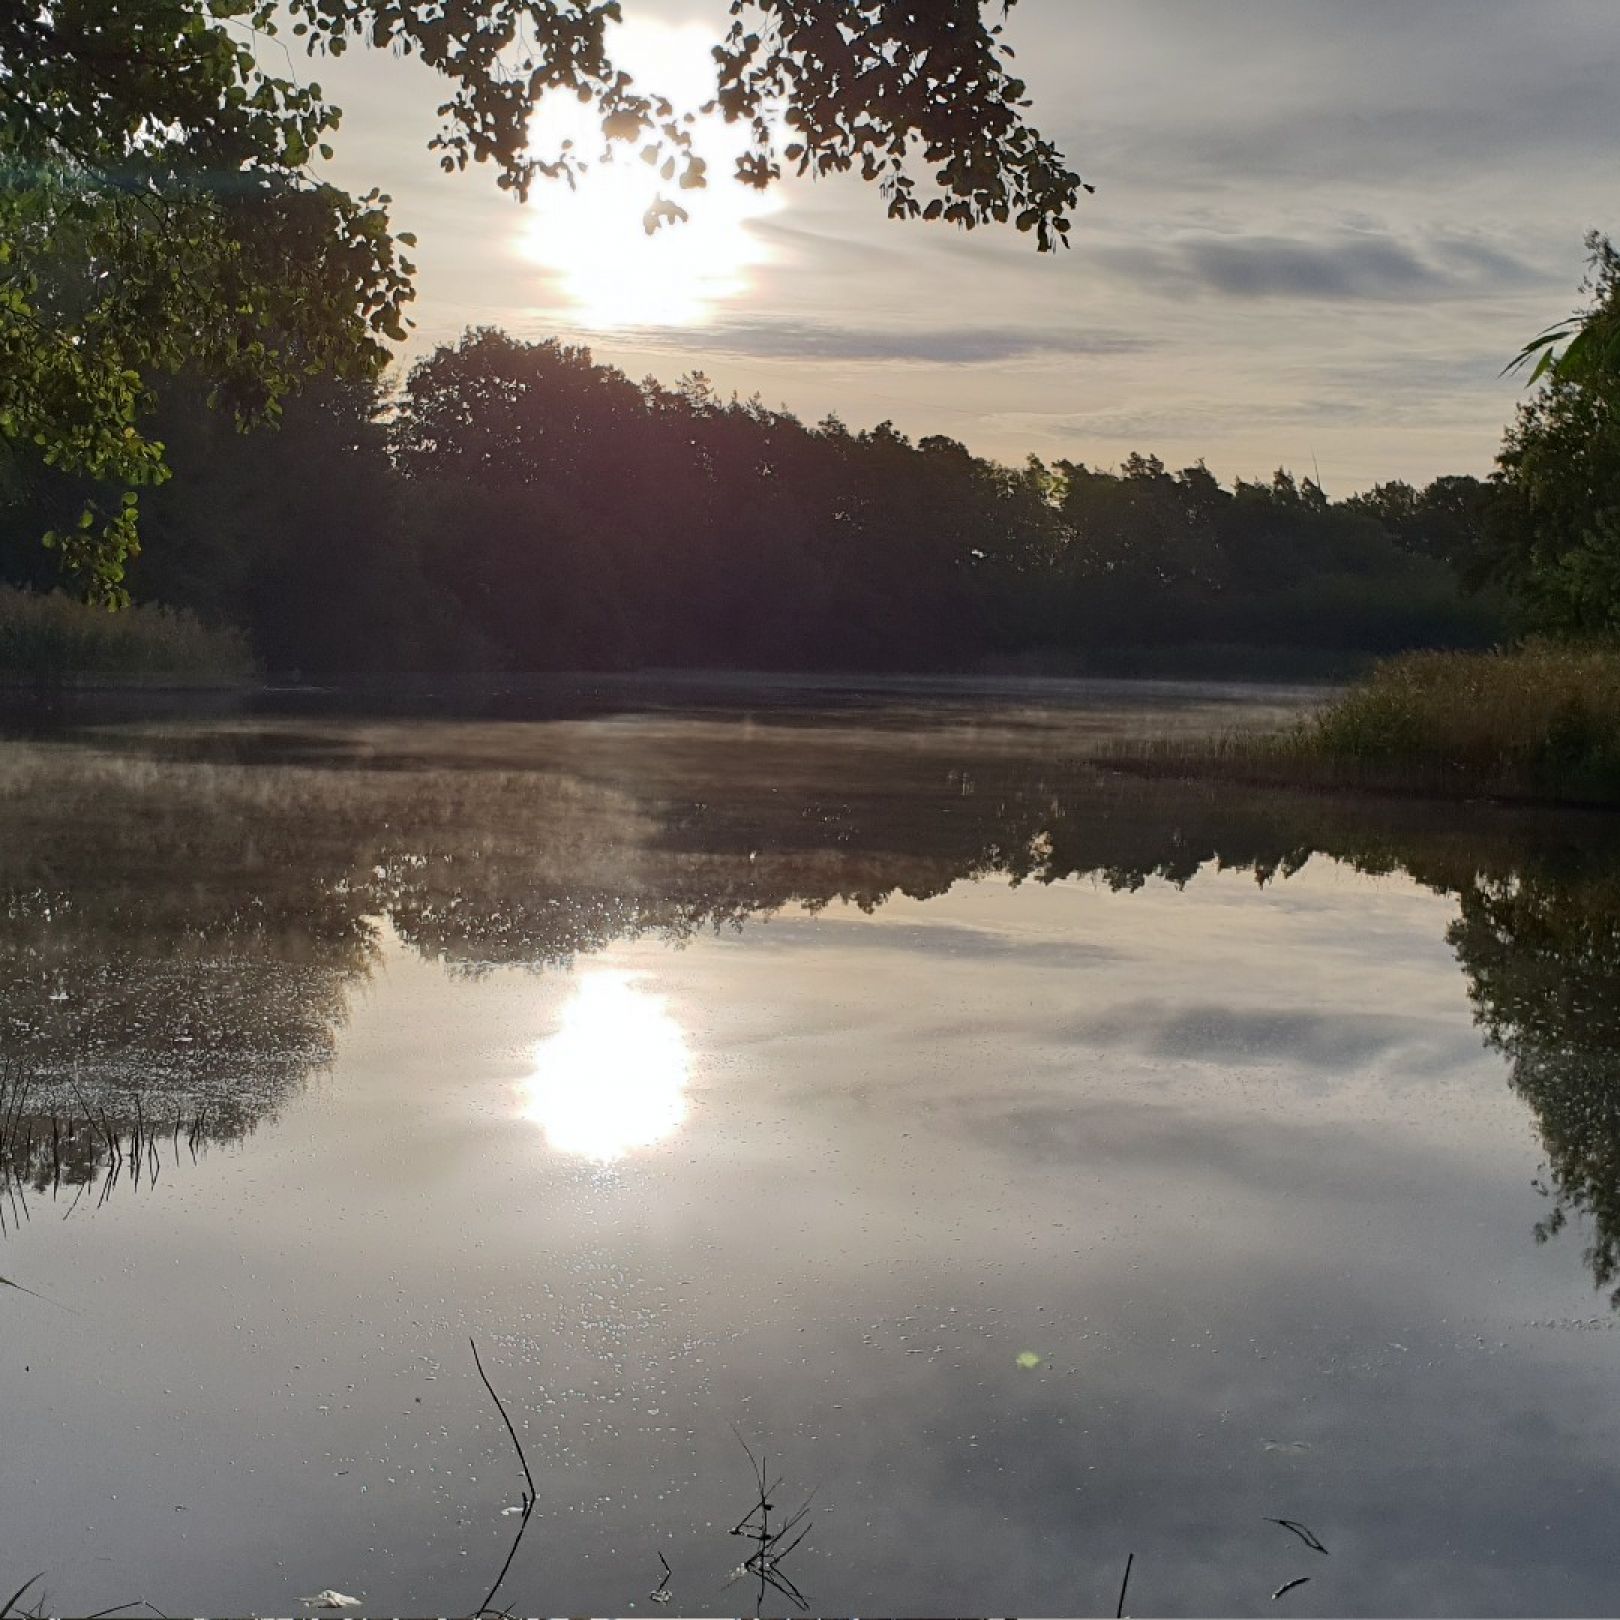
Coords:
pixel 526 507
pixel 154 214
pixel 1590 338
pixel 53 637
pixel 1543 721
pixel 522 506
pixel 584 520
pixel 306 536
pixel 877 87
pixel 1173 558
pixel 1556 531
pixel 581 519
pixel 157 212
pixel 1448 519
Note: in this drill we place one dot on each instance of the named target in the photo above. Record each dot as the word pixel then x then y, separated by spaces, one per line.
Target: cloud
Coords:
pixel 933 939
pixel 1349 265
pixel 1542 121
pixel 1328 1043
pixel 1259 99
pixel 1494 265
pixel 1267 266
pixel 814 340
pixel 816 242
pixel 1186 418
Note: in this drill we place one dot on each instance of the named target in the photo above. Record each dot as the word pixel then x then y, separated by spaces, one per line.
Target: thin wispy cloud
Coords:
pixel 956 346
pixel 1348 265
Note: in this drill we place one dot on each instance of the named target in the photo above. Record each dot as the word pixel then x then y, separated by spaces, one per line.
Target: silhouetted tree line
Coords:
pixel 521 506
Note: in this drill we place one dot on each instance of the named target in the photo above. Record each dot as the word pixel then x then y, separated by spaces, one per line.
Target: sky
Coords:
pixel 1320 230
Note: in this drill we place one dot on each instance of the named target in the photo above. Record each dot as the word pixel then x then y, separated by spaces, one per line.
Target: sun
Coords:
pixel 605 272
pixel 613 1077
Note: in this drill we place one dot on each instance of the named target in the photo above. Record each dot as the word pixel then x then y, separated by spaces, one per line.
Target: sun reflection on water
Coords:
pixel 613 1077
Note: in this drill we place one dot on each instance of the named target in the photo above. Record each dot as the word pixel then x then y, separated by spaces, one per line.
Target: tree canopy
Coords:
pixel 525 506
pixel 158 207
pixel 1557 529
pixel 1586 344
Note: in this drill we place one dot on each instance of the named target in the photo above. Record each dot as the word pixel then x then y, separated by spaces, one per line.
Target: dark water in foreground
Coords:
pixel 1042 1166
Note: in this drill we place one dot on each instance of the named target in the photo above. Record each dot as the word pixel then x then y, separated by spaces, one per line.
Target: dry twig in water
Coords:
pixel 661 1593
pixel 528 1494
pixel 1119 1608
pixel 16 1597
pixel 768 1555
pixel 1303 1532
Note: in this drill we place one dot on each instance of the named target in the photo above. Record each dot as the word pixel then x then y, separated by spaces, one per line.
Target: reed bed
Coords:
pixel 52 637
pixel 50 1142
pixel 1541 723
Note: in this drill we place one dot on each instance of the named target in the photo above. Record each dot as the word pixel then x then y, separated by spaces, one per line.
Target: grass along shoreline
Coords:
pixel 55 640
pixel 1536 725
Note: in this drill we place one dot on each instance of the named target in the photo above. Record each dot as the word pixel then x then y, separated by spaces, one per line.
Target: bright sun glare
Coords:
pixel 613 1078
pixel 608 272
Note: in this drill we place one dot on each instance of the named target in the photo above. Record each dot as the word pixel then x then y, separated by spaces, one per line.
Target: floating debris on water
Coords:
pixel 1304 1533
pixel 661 1593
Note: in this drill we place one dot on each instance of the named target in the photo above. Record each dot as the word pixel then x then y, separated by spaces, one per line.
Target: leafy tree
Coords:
pixel 1394 503
pixel 1556 531
pixel 1590 338
pixel 1453 519
pixel 1448 518
pixel 892 89
pixel 154 213
pixel 521 505
pixel 581 519
pixel 157 210
pixel 1174 559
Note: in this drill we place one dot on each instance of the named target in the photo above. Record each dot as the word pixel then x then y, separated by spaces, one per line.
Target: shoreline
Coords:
pixel 1344 779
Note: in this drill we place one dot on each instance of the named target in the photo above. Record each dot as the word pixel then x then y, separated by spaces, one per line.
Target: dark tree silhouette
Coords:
pixel 521 505
pixel 157 210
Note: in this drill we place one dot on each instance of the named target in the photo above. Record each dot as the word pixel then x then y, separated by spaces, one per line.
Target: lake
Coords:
pixel 1035 1166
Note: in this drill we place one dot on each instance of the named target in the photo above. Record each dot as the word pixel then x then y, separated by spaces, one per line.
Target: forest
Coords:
pixel 521 506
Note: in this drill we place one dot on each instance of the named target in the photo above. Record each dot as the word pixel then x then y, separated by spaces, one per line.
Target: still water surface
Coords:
pixel 1040 1165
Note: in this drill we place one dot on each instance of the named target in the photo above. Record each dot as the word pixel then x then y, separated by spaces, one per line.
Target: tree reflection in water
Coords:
pixel 1542 956
pixel 185 912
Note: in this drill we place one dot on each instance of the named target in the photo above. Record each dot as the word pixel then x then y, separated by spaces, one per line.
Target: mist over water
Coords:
pixel 1040 1165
